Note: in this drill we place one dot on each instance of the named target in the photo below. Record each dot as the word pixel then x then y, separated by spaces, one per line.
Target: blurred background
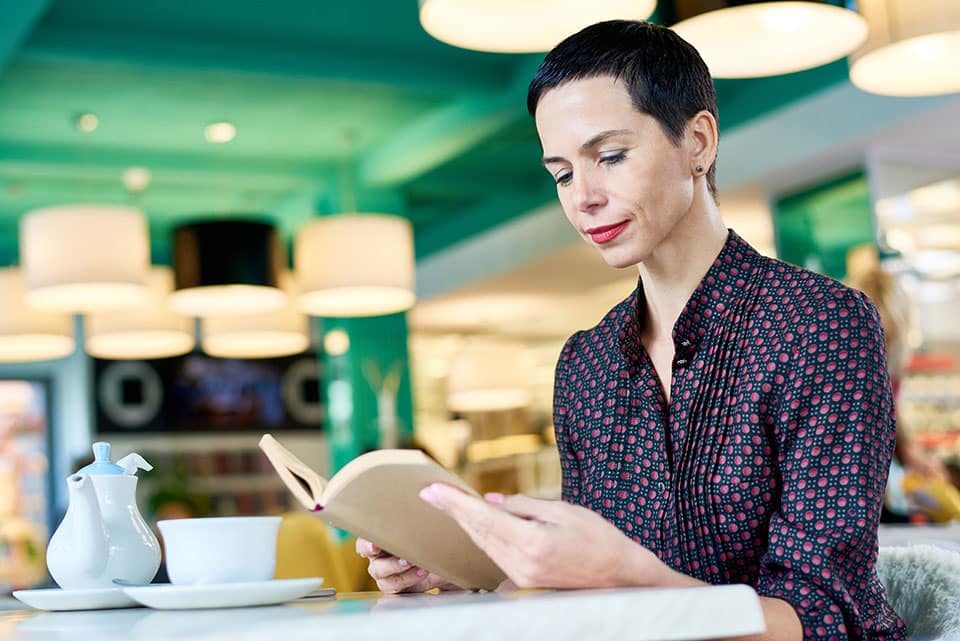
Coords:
pixel 329 221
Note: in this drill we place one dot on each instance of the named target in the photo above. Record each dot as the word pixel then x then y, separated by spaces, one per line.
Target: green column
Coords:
pixel 816 227
pixel 367 387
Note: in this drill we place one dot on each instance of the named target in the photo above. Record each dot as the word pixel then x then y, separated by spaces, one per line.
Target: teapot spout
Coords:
pixel 79 550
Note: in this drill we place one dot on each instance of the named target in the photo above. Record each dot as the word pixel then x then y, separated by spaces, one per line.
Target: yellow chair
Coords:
pixel 306 548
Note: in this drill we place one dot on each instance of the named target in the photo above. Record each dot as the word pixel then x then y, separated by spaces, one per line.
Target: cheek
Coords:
pixel 568 206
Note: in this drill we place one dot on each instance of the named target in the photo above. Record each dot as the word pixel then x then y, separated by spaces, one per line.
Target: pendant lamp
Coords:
pixel 29 334
pixel 521 26
pixel 750 39
pixel 913 48
pixel 355 265
pixel 152 330
pixel 489 375
pixel 85 258
pixel 226 267
pixel 281 332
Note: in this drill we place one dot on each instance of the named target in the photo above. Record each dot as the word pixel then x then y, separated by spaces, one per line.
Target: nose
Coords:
pixel 588 192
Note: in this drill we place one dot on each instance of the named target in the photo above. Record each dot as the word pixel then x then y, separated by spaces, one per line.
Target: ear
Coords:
pixel 702 136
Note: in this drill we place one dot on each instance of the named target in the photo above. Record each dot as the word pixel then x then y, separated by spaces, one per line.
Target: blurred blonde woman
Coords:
pixel 893 305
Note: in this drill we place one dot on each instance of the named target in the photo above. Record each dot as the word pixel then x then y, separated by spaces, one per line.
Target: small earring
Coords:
pixel 699 168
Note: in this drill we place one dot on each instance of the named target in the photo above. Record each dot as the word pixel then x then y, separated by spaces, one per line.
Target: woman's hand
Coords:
pixel 550 544
pixel 395 575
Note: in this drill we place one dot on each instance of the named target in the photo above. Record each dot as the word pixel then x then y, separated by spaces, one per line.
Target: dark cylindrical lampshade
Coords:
pixel 226 267
pixel 754 38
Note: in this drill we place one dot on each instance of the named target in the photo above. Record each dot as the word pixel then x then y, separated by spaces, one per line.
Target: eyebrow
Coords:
pixel 592 142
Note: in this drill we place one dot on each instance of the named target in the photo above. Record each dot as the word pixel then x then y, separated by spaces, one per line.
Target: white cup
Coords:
pixel 224 549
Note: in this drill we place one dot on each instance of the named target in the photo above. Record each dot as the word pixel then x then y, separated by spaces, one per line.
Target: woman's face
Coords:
pixel 622 183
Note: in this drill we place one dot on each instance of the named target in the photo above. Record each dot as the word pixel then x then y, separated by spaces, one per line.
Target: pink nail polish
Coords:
pixel 421 572
pixel 428 495
pixel 494 497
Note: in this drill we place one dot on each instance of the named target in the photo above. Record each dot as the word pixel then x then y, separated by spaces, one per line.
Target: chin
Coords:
pixel 621 257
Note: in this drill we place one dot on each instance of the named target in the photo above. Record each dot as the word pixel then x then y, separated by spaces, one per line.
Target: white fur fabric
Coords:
pixel 923 585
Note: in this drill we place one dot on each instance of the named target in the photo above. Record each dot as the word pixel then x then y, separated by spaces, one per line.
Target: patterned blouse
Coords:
pixel 768 465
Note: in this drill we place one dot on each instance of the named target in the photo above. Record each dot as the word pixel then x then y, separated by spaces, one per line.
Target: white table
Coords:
pixel 598 615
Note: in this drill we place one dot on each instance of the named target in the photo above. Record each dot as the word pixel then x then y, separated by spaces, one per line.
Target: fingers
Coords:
pixel 528 507
pixel 486 524
pixel 368 550
pixel 395 575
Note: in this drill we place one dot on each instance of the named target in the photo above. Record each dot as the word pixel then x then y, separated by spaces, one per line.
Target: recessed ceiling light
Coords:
pixel 87 122
pixel 336 342
pixel 220 132
pixel 136 178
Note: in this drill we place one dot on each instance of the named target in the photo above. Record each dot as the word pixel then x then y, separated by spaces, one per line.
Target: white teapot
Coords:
pixel 103 536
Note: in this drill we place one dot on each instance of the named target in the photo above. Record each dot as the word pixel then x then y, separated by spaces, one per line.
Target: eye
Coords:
pixel 563 178
pixel 612 158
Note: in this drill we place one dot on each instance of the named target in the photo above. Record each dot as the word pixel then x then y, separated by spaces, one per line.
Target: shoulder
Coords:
pixel 812 302
pixel 606 334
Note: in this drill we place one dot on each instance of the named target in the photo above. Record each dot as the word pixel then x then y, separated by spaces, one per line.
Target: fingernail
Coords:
pixel 421 572
pixel 402 563
pixel 428 495
pixel 372 549
pixel 494 497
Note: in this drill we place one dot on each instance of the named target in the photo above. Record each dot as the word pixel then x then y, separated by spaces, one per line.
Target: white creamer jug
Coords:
pixel 103 536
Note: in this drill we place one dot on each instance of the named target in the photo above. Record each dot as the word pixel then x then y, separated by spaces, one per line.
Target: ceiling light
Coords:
pixel 136 179
pixel 913 48
pixel 355 265
pixel 272 334
pixel 520 26
pixel 220 132
pixel 489 375
pixel 87 122
pixel 150 331
pixel 28 334
pixel 755 39
pixel 85 258
pixel 336 342
pixel 226 267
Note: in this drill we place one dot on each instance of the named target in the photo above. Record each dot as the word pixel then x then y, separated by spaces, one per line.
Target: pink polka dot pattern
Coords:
pixel 769 464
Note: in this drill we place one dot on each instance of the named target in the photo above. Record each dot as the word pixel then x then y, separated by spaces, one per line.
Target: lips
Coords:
pixel 606 233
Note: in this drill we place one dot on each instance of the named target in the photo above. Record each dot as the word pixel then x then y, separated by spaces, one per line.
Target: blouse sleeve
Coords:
pixel 563 399
pixel 835 434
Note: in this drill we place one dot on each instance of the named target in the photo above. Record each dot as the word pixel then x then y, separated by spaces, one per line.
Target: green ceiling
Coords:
pixel 334 102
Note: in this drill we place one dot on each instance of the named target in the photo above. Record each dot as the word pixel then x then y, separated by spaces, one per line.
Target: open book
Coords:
pixel 376 496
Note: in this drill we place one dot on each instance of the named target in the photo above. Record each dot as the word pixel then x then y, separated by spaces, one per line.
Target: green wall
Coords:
pixel 815 227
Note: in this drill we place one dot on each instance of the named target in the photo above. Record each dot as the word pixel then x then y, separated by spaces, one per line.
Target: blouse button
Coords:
pixel 686 343
pixel 681 361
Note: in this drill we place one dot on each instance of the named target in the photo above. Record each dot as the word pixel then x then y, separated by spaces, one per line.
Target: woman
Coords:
pixel 729 422
pixel 893 306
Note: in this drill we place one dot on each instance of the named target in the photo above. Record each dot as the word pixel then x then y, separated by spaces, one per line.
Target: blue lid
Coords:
pixel 101 461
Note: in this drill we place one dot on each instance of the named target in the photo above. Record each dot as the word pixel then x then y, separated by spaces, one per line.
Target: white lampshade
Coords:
pixel 521 26
pixel 772 38
pixel 29 334
pixel 355 265
pixel 488 375
pixel 913 48
pixel 84 258
pixel 149 331
pixel 272 334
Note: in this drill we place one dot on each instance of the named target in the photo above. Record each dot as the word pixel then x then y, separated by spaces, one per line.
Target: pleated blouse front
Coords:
pixel 768 466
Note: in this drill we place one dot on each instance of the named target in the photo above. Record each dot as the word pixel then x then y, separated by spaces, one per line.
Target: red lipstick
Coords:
pixel 606 233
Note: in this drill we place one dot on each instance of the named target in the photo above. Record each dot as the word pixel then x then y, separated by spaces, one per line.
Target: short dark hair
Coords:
pixel 664 74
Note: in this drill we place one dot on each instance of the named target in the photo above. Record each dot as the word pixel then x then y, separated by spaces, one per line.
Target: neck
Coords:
pixel 672 273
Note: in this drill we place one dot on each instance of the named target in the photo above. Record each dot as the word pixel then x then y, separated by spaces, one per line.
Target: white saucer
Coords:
pixel 222 595
pixel 91 599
